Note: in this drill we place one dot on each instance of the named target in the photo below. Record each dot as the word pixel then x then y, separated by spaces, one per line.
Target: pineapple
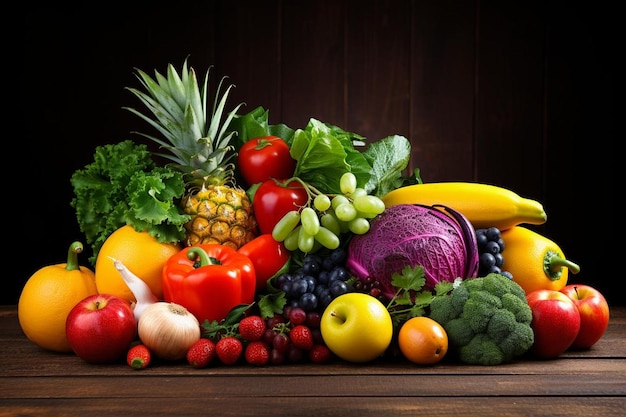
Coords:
pixel 198 145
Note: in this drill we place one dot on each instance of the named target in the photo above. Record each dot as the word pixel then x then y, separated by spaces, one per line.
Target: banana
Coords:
pixel 484 205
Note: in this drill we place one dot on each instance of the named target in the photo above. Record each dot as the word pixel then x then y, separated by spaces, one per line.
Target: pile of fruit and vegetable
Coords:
pixel 243 242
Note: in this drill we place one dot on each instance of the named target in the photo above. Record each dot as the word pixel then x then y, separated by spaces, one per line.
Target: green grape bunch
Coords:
pixel 321 223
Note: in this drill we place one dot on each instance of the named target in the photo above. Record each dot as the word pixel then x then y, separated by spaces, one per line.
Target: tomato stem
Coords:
pixel 262 143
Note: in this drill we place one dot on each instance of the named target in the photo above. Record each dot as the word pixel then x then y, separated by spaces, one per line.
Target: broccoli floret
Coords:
pixel 463 334
pixel 481 350
pixel 479 309
pixel 518 306
pixel 487 320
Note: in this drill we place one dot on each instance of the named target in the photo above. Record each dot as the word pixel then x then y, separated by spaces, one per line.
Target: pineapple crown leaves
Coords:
pixel 180 108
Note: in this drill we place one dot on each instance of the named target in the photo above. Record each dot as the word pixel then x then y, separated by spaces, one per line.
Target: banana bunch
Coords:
pixel 483 205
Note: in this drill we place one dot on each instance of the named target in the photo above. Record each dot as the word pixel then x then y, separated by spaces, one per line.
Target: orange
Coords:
pixel 47 298
pixel 422 340
pixel 141 253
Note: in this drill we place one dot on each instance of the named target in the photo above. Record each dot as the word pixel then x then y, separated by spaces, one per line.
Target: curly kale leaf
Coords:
pixel 124 186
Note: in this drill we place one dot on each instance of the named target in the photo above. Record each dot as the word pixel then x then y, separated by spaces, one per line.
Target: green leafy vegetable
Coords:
pixel 388 158
pixel 322 157
pixel 324 152
pixel 267 306
pixel 151 197
pixel 272 303
pixel 215 330
pixel 124 186
pixel 409 300
pixel 255 124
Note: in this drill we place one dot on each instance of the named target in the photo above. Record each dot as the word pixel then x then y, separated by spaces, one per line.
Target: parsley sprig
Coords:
pixel 410 300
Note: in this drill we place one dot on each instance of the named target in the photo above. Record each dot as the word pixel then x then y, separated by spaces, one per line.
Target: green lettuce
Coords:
pixel 123 186
pixel 323 152
pixel 388 158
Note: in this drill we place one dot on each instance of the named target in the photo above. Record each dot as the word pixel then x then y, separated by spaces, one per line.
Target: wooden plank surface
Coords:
pixel 249 48
pixel 377 59
pixel 578 383
pixel 313 63
pixel 510 97
pixel 362 406
pixel 443 89
pixel 327 385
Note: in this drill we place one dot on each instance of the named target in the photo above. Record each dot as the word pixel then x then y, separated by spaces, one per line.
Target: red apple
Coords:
pixel 555 322
pixel 594 314
pixel 100 328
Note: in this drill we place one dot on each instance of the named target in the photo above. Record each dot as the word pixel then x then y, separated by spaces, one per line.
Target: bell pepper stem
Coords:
pixel 72 256
pixel 556 263
pixel 203 257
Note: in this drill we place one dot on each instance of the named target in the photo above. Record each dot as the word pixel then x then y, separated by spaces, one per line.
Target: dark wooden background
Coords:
pixel 517 94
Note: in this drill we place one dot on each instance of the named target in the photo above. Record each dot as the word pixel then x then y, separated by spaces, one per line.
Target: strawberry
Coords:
pixel 257 353
pixel 201 353
pixel 229 349
pixel 252 328
pixel 319 354
pixel 301 337
pixel 138 356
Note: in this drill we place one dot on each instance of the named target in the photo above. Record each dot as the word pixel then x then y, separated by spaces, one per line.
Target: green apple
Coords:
pixel 356 327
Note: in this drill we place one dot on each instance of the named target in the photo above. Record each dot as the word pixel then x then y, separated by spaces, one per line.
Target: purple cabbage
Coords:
pixel 438 238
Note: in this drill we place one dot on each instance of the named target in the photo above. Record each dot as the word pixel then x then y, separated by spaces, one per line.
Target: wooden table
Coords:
pixel 579 383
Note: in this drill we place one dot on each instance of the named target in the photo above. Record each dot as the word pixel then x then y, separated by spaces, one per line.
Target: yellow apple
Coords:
pixel 356 327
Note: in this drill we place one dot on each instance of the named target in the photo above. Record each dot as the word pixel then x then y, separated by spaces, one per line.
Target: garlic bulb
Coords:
pixel 168 330
pixel 142 292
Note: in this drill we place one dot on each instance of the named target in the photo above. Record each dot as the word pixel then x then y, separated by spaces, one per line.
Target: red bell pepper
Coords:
pixel 268 256
pixel 209 280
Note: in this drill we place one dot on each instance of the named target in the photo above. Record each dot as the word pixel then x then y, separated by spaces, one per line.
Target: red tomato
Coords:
pixel 263 158
pixel 268 257
pixel 272 200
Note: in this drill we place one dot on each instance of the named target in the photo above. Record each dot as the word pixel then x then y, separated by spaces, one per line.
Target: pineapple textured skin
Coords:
pixel 220 215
